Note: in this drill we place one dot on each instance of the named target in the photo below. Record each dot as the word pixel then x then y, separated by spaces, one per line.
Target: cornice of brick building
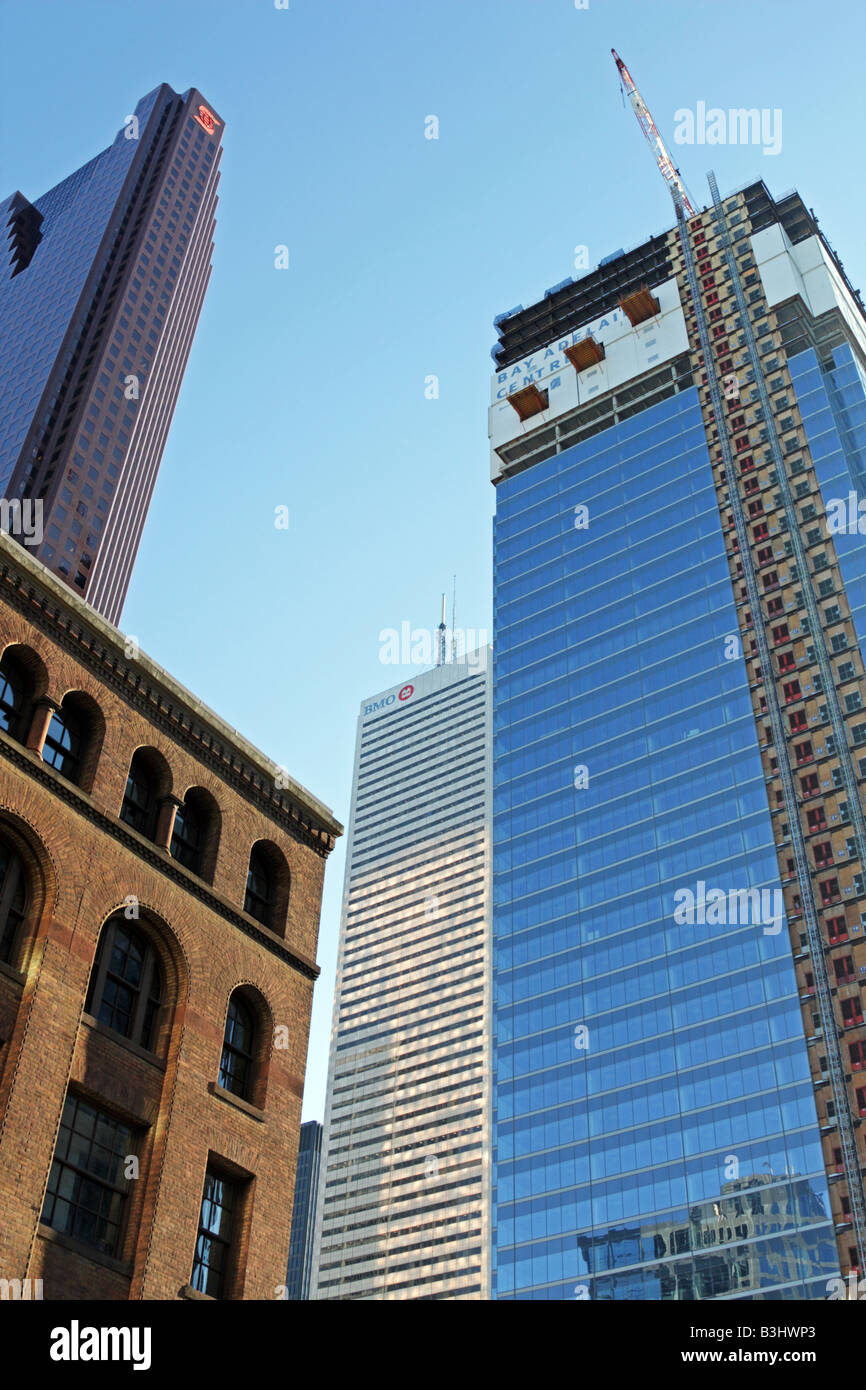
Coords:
pixel 28 586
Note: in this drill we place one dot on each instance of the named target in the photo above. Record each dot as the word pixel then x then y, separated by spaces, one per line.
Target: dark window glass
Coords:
pixel 11 697
pixel 13 899
pixel 213 1247
pixel 126 983
pixel 139 799
pixel 259 897
pixel 86 1187
pixel 62 748
pixel 186 838
pixel 237 1055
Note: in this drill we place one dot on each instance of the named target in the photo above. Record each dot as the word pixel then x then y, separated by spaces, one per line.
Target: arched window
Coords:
pixel 140 798
pixel 195 836
pixel 186 839
pixel 236 1063
pixel 74 738
pixel 259 895
pixel 126 983
pixel 266 896
pixel 13 900
pixel 12 688
pixel 22 678
pixel 63 742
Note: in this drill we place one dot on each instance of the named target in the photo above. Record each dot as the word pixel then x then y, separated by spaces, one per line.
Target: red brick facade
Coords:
pixel 82 863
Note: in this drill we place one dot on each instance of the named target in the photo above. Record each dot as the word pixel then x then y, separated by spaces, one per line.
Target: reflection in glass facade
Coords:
pixel 37 305
pixel 101 286
pixel 655 1131
pixel 833 409
pixel 300 1267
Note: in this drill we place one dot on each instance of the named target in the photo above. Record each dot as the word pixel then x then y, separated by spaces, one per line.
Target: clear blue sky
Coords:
pixel 306 387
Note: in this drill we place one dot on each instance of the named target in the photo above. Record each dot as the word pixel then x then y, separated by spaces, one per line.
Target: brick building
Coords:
pixel 160 886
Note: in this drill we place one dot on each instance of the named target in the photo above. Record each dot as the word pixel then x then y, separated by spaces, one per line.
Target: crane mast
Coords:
pixel 666 165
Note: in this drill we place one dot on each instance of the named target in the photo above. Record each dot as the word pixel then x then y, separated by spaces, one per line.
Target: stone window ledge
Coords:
pixel 12 973
pixel 119 1040
pixel 87 1252
pixel 222 1094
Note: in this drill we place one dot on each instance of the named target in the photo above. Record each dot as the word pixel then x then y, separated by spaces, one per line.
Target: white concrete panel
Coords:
pixel 629 353
pixel 806 270
pixel 780 275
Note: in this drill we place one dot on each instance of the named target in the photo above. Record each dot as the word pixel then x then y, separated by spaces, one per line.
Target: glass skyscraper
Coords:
pixel 300 1265
pixel 403 1210
pixel 677 1022
pixel 100 294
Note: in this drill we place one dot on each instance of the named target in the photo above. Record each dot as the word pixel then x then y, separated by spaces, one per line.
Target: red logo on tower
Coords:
pixel 406 693
pixel 206 119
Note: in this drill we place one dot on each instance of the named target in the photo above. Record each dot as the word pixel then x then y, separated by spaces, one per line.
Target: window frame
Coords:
pixel 16 682
pixel 197 856
pixel 226 1074
pixel 10 938
pixel 225 1275
pixel 266 902
pixel 148 815
pixel 72 725
pixel 144 1020
pixel 119 1189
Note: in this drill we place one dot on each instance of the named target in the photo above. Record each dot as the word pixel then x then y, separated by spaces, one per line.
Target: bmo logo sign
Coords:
pixel 388 700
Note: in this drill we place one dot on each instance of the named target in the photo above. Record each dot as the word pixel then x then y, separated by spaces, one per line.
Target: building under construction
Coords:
pixel 679 700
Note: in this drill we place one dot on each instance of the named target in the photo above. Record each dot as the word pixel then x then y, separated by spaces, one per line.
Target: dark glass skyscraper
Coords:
pixel 679 846
pixel 300 1266
pixel 99 299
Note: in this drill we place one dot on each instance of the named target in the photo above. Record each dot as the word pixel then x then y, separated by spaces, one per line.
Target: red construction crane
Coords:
pixel 669 173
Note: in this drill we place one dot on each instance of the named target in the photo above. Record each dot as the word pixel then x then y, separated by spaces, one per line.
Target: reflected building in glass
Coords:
pixel 300 1266
pixel 678 836
pixel 101 287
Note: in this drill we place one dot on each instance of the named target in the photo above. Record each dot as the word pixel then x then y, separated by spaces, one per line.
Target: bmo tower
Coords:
pixel 402 1210
pixel 101 287
pixel 679 713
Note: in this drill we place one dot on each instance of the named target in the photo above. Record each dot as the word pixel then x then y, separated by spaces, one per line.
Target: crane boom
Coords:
pixel 666 165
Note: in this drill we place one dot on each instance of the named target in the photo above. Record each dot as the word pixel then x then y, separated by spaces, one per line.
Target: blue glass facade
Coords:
pixel 299 1269
pixel 654 1124
pixel 833 409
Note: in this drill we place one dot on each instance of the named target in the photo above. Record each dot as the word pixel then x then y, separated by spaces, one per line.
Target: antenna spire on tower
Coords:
pixel 454 620
pixel 442 653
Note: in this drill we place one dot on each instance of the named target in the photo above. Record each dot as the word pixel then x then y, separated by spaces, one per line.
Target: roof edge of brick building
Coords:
pixel 14 557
